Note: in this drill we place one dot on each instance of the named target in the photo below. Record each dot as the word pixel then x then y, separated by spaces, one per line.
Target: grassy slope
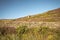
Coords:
pixel 50 16
pixel 34 33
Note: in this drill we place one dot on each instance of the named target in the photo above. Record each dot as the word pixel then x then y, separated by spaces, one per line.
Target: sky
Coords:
pixel 11 9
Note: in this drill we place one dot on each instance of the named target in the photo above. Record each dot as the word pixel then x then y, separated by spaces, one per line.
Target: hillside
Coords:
pixel 47 17
pixel 44 26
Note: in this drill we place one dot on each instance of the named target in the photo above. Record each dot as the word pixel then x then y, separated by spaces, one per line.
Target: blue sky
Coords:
pixel 11 9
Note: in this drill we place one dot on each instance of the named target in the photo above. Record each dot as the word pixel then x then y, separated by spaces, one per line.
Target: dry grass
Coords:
pixel 36 33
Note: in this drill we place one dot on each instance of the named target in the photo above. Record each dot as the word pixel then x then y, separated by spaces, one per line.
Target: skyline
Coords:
pixel 11 9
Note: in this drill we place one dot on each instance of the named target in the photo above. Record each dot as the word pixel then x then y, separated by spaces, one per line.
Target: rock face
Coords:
pixel 49 19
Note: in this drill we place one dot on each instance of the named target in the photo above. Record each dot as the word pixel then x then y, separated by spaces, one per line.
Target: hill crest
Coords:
pixel 52 15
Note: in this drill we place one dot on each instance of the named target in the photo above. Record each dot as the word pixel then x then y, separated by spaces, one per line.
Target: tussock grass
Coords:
pixel 34 33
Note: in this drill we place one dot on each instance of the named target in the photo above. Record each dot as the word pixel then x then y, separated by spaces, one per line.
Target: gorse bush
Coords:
pixel 34 33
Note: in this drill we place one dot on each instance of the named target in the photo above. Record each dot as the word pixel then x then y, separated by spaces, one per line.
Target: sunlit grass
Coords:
pixel 35 33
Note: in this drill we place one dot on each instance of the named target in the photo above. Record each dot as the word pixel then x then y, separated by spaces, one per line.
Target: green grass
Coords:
pixel 35 33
